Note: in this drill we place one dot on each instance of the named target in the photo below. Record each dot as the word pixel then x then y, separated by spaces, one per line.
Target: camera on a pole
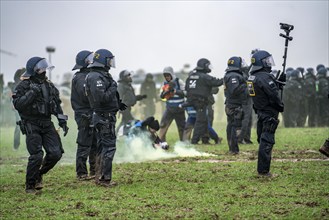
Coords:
pixel 281 77
pixel 286 27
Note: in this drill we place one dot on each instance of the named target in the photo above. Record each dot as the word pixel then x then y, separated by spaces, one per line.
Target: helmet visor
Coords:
pixel 243 63
pixel 268 61
pixel 111 62
pixel 210 67
pixel 42 66
pixel 89 58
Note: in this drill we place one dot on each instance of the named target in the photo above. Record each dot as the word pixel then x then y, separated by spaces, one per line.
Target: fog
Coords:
pixel 140 149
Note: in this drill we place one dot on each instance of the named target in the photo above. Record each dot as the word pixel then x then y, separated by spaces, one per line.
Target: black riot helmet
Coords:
pixel 295 74
pixel 310 71
pixel 235 64
pixel 103 58
pixel 204 65
pixel 318 67
pixel 301 70
pixel 322 73
pixel 36 65
pixel 289 71
pixel 262 60
pixel 83 59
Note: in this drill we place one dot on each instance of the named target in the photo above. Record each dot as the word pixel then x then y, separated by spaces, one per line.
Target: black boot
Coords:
pixel 38 184
pixel 30 189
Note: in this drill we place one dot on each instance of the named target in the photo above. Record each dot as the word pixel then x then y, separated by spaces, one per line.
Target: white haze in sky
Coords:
pixel 150 35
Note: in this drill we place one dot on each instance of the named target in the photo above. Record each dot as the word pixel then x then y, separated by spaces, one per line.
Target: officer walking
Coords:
pixel 86 138
pixel 36 99
pixel 173 93
pixel 101 90
pixel 198 89
pixel 127 94
pixel 267 105
pixel 236 95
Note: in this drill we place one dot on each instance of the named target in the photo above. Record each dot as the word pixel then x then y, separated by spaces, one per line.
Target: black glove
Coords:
pixel 282 77
pixel 122 106
pixel 140 97
pixel 62 123
pixel 35 87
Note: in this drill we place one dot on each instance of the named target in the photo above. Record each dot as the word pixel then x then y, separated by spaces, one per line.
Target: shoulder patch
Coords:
pixel 99 83
pixel 234 80
pixel 194 77
pixel 251 78
pixel 271 83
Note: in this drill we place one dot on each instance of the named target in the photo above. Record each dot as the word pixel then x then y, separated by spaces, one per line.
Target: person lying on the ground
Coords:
pixel 149 126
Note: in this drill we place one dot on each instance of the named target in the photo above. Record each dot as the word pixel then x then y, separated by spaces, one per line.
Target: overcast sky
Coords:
pixel 154 34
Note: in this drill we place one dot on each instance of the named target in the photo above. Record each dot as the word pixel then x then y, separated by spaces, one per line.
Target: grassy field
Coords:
pixel 214 186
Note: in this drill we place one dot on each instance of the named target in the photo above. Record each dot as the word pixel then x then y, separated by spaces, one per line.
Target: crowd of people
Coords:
pixel 97 100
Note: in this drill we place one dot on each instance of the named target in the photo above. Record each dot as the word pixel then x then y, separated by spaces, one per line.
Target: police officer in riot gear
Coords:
pixel 127 94
pixel 310 93
pixel 322 87
pixel 267 105
pixel 36 99
pixel 236 95
pixel 101 90
pixel 292 98
pixel 86 138
pixel 301 118
pixel 198 88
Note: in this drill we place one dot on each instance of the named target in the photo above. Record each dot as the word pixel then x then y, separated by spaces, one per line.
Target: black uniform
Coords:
pixel 292 98
pixel 322 86
pixel 302 114
pixel 267 105
pixel 236 95
pixel 86 138
pixel 198 89
pixel 36 99
pixel 104 99
pixel 310 93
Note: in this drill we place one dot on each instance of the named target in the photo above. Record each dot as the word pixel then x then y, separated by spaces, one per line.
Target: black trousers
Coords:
pixel 106 144
pixel 87 146
pixel 266 127
pixel 201 124
pixel 234 121
pixel 43 135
